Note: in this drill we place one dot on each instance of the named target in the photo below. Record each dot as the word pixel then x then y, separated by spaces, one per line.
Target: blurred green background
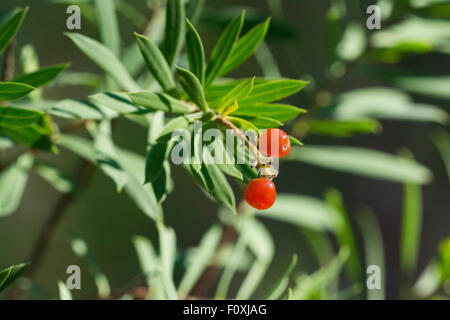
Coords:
pixel 297 39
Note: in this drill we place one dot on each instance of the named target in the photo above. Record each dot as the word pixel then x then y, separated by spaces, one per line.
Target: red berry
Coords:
pixel 274 143
pixel 260 193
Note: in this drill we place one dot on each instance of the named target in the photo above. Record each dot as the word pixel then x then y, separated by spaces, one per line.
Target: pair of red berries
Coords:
pixel 261 193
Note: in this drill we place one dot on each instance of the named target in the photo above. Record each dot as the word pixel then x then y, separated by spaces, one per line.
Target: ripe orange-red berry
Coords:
pixel 274 143
pixel 260 193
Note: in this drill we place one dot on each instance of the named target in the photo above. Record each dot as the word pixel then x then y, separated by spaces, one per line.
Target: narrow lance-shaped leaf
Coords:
pixel 241 91
pixel 374 251
pixel 13 90
pixel 8 276
pixel 80 248
pixel 37 135
pixel 155 159
pixel 200 259
pixel 344 233
pixel 269 91
pixel 12 184
pixel 41 76
pixel 364 162
pixel 160 101
pixel 105 59
pixel 107 23
pixel 10 28
pixel 55 177
pixel 282 280
pixel 223 48
pixel 175 26
pixel 193 88
pixel 276 111
pixel 261 244
pixel 220 189
pixel 156 63
pixel 303 211
pixel 195 52
pixel 411 227
pixel 149 262
pixel 64 292
pixel 243 48
pixel 11 117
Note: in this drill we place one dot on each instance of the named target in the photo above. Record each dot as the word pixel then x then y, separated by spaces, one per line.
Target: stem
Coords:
pixel 260 158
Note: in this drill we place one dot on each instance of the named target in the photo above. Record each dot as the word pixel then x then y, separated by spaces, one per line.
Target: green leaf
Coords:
pixel 344 233
pixel 243 124
pixel 223 48
pixel 344 128
pixel 149 263
pixel 374 250
pixel 79 109
pixel 4 274
pixel 156 63
pixel 265 123
pixel 294 141
pixel 384 103
pixel 13 181
pixel 353 42
pixel 364 162
pixel 107 24
pixel 432 86
pixel 163 185
pixel 159 101
pixel 55 177
pixel 410 230
pixel 37 135
pixel 280 112
pixel 105 59
pixel 64 292
pixel 219 188
pixel 261 244
pixel 13 90
pixel 180 122
pixel 274 292
pixel 155 159
pixel 237 253
pixel 308 287
pixel 106 155
pixel 175 30
pixel 193 88
pixel 303 211
pixel 274 90
pixel 441 140
pixel 243 48
pixel 195 52
pixel 168 248
pixel 11 117
pixel 41 76
pixel 9 275
pixel 78 145
pixel 414 34
pixel 200 260
pixel 9 29
pixel 116 101
pixel 241 91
